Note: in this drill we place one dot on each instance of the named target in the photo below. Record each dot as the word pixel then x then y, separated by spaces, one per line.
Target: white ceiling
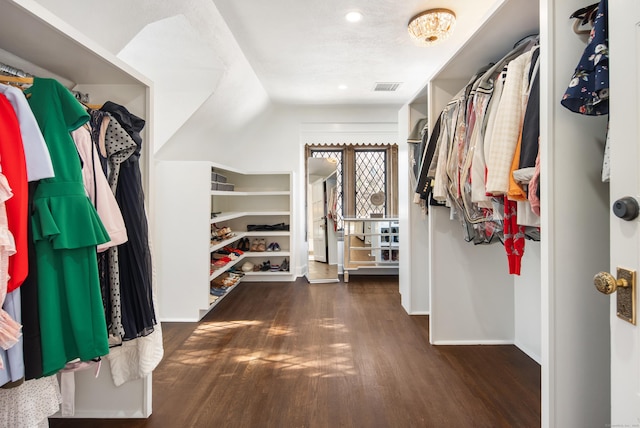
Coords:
pixel 303 50
pixel 299 51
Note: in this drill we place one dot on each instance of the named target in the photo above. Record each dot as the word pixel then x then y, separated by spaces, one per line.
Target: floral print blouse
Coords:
pixel 588 91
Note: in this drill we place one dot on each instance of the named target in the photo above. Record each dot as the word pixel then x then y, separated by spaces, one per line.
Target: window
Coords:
pixel 371 182
pixel 363 171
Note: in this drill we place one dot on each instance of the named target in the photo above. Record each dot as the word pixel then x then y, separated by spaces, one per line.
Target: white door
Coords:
pixel 318 212
pixel 624 43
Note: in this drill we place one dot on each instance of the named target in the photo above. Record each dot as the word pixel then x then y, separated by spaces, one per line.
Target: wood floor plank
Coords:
pixel 330 355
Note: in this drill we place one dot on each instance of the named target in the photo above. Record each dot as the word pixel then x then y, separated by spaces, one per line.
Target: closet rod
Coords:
pixel 7 69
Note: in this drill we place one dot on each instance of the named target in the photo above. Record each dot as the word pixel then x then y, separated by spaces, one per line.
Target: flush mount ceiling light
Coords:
pixel 354 16
pixel 431 26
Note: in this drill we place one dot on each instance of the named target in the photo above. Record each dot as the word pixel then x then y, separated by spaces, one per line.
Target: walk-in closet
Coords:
pixel 442 312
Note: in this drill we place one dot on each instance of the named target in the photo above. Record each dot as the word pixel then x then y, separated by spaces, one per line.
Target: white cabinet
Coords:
pixel 371 243
pixel 257 210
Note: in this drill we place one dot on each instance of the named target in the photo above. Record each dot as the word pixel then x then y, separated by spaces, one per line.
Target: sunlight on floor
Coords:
pixel 327 361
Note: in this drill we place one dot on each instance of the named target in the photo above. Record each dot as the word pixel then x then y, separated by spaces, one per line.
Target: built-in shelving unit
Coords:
pixel 187 273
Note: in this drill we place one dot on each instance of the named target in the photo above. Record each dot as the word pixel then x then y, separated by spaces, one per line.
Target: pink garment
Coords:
pixel 533 188
pixel 9 329
pixel 98 190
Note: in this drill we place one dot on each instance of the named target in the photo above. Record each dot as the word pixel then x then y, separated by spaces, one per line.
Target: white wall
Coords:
pixel 272 142
pixel 527 301
pixel 414 233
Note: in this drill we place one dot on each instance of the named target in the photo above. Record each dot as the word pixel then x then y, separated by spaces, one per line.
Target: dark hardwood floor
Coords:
pixel 330 355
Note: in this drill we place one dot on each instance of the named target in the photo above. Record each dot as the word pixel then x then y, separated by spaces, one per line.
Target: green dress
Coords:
pixel 66 230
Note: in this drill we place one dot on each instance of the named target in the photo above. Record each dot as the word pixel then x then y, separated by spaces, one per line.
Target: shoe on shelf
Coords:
pixel 246 244
pixel 275 246
pixel 266 266
pixel 262 246
pixel 284 266
pixel 215 291
pixel 254 245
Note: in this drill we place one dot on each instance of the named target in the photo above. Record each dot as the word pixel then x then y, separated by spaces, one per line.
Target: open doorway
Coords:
pixel 322 229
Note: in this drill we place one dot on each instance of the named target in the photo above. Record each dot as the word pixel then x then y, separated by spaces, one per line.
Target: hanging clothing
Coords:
pixel 99 123
pixel 531 122
pixel 508 125
pixel 119 146
pixel 12 373
pixel 424 186
pixel 588 91
pixel 14 168
pixel 38 163
pixel 97 188
pixel 29 296
pixel 513 237
pixel 66 231
pixel 134 257
pixel 36 153
pixel 142 349
pixel 9 327
pixel 30 403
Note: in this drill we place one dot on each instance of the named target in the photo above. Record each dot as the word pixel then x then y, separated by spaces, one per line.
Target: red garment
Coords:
pixel 513 236
pixel 14 167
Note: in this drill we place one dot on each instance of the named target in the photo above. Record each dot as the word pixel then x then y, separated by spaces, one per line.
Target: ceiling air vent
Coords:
pixel 386 86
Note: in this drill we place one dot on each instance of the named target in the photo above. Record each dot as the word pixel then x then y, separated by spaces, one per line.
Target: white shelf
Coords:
pixel 268 254
pixel 222 244
pixel 251 193
pixel 261 198
pixel 213 303
pixel 216 273
pixel 226 216
pixel 270 273
pixel 274 233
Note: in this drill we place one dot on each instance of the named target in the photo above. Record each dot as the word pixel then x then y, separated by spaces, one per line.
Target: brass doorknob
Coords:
pixel 607 284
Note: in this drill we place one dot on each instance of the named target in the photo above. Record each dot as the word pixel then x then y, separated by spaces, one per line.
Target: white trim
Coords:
pixel 473 342
pixel 535 357
pixel 360 133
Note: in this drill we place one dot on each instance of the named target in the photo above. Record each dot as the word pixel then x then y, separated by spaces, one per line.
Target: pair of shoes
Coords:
pixel 215 291
pixel 284 266
pixel 258 245
pixel 230 250
pixel 266 266
pixel 274 246
pixel 244 244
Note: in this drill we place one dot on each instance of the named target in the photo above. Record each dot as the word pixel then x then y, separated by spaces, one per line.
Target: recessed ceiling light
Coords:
pixel 353 16
pixel 343 87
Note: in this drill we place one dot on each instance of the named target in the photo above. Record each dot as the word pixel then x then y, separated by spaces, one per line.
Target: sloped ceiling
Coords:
pixel 185 71
pixel 299 50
